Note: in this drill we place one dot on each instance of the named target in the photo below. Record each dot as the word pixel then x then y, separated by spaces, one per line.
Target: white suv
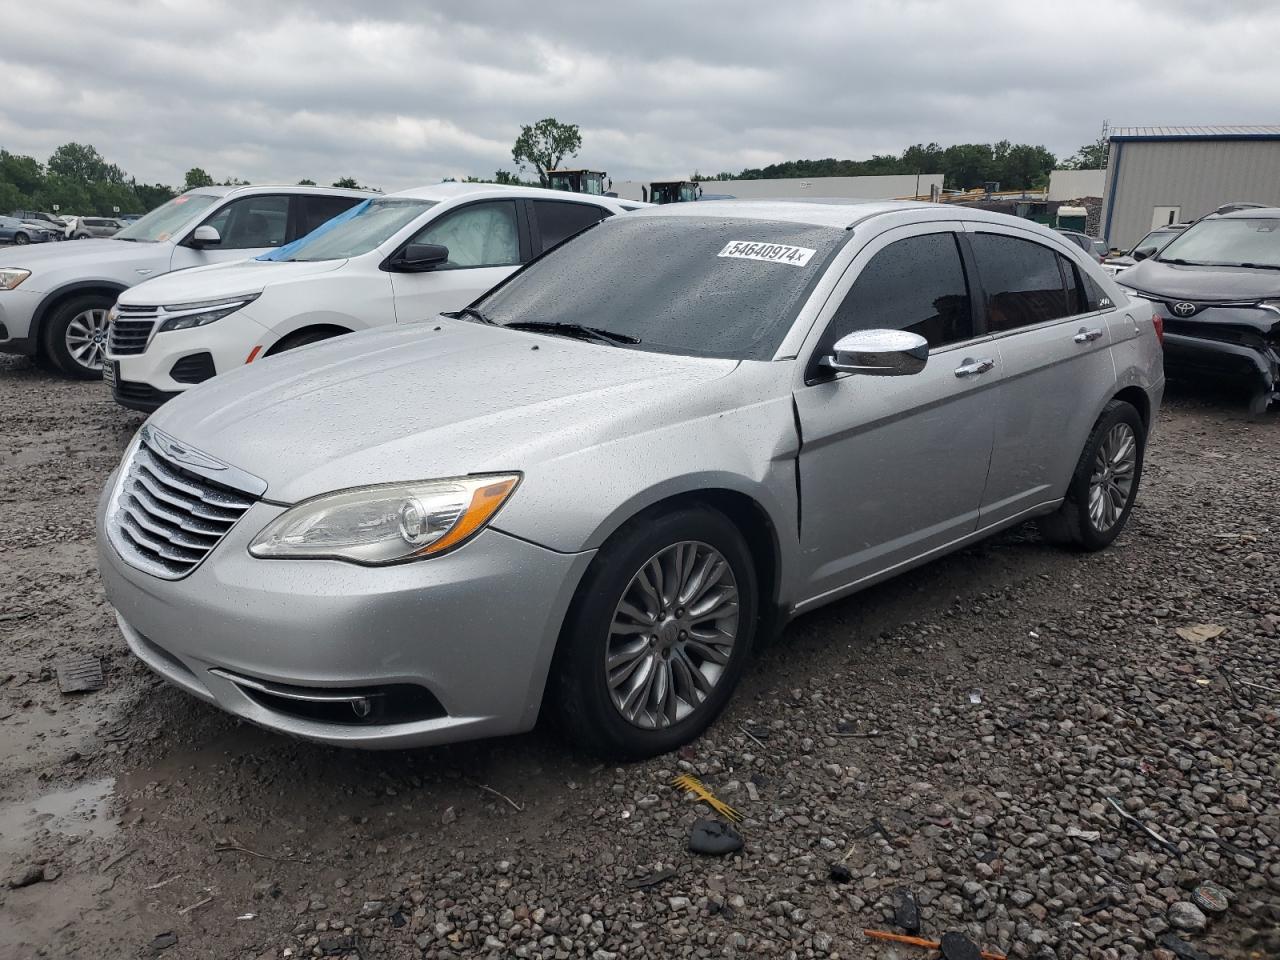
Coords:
pixel 54 299
pixel 397 258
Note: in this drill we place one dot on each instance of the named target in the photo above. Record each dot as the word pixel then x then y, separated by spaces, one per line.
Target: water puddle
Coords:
pixel 82 811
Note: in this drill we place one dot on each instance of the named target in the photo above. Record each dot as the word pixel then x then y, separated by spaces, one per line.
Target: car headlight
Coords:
pixel 10 277
pixel 199 314
pixel 386 523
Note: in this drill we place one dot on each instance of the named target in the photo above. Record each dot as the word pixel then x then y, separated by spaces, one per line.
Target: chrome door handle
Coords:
pixel 971 368
pixel 1087 336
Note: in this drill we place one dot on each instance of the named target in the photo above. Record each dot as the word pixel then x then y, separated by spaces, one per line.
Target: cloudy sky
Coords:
pixel 401 92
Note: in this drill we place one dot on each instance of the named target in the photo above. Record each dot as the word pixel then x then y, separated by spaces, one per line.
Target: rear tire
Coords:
pixel 74 335
pixel 1104 484
pixel 680 553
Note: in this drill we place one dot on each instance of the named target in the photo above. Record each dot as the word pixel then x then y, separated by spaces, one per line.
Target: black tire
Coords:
pixel 53 333
pixel 578 685
pixel 21 238
pixel 1071 525
pixel 303 337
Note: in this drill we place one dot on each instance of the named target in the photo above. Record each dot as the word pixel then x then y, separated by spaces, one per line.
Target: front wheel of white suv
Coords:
pixel 1104 485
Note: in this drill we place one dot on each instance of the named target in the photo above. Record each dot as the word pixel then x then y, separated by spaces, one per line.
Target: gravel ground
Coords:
pixel 956 735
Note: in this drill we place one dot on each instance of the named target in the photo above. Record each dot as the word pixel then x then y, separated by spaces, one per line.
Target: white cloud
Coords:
pixel 404 93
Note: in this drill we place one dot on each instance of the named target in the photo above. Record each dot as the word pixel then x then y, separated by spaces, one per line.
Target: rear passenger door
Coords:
pixel 1051 334
pixel 487 240
pixel 554 221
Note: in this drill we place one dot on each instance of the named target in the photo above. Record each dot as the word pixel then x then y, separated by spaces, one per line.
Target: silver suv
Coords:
pixel 54 300
pixel 601 483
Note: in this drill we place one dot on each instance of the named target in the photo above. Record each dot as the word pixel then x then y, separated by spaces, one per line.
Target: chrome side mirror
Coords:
pixel 879 353
pixel 205 236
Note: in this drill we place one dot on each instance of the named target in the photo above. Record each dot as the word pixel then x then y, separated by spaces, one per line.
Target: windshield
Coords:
pixel 1244 241
pixel 164 221
pixel 367 228
pixel 695 286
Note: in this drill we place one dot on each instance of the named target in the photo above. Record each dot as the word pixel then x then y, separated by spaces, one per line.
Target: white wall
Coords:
pixel 859 188
pixel 1075 184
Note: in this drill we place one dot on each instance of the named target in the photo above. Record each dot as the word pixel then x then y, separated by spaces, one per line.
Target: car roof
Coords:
pixel 1248 213
pixel 451 190
pixel 828 212
pixel 222 191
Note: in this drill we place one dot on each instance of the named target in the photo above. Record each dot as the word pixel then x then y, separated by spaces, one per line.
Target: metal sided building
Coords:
pixel 1159 175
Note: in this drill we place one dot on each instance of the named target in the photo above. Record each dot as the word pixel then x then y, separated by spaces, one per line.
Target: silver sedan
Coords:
pixel 605 481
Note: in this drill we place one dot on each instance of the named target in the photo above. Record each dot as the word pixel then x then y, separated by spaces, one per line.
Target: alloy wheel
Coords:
pixel 20 239
pixel 672 635
pixel 86 338
pixel 1114 469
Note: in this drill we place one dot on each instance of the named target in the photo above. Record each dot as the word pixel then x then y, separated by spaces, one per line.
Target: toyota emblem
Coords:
pixel 1184 309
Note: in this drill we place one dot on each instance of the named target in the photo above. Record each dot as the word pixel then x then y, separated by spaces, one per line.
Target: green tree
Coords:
pixel 545 144
pixel 306 183
pixel 348 183
pixel 81 162
pixel 24 173
pixel 1092 156
pixel 196 177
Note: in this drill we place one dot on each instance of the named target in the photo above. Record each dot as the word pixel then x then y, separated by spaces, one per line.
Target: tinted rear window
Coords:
pixel 715 287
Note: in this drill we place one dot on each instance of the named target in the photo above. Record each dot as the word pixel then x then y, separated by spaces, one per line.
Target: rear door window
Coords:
pixel 320 210
pixel 558 220
pixel 1022 281
pixel 916 284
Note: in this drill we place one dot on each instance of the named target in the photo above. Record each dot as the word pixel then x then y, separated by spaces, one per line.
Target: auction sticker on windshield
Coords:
pixel 768 252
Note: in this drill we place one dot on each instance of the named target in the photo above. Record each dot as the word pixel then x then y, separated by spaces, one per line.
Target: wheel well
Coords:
pixel 56 300
pixel 287 341
pixel 1137 398
pixel 758 530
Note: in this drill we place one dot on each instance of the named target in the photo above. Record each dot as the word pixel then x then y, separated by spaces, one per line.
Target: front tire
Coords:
pixel 21 238
pixel 1104 485
pixel 74 335
pixel 658 635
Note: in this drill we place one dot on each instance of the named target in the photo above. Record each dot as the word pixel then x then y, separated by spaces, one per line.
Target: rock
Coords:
pixel 906 913
pixel 714 838
pixel 1185 915
pixel 840 873
pixel 33 873
pixel 163 941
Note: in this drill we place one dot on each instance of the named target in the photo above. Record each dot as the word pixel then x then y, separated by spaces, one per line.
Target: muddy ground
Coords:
pixel 958 734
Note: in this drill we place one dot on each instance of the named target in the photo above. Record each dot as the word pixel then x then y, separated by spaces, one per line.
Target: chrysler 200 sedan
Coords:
pixel 595 488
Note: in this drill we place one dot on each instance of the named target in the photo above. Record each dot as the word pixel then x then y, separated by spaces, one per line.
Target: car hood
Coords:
pixel 1171 281
pixel 221 280
pixel 430 400
pixel 82 255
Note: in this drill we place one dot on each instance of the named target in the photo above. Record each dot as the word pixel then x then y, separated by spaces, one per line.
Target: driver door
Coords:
pixel 486 243
pixel 893 468
pixel 249 227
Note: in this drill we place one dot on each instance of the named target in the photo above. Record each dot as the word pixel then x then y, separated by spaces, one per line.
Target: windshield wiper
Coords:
pixel 473 312
pixel 1256 266
pixel 573 330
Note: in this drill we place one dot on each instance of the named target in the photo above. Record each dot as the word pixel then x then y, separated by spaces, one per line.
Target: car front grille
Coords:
pixel 165 517
pixel 131 329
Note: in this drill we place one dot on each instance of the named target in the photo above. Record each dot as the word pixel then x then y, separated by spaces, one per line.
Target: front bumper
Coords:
pixel 1227 344
pixel 145 380
pixel 17 308
pixel 475 628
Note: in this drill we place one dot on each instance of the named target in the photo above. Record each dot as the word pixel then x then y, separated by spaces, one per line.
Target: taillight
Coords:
pixel 1157 321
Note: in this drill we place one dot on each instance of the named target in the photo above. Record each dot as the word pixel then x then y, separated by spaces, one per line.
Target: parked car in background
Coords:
pixel 84 228
pixel 602 482
pixel 48 221
pixel 1216 288
pixel 54 303
pixel 393 259
pixel 1148 246
pixel 19 232
pixel 1090 245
